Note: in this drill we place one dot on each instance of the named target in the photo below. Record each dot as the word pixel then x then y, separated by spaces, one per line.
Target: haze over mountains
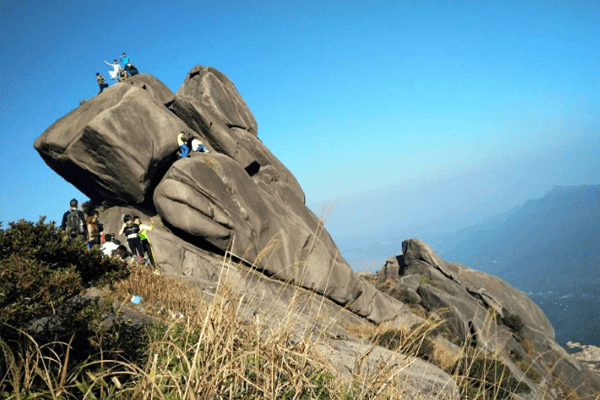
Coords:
pixel 549 248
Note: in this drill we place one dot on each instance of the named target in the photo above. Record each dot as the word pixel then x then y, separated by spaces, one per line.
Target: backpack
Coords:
pixel 74 223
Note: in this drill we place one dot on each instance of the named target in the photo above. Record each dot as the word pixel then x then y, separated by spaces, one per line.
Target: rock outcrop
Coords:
pixel 487 312
pixel 120 149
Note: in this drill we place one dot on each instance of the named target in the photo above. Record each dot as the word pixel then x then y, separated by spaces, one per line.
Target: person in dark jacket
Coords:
pixel 73 222
pixel 132 231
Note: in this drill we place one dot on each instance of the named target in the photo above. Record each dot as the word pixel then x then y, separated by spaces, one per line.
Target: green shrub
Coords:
pixel 492 377
pixel 530 372
pixel 41 275
pixel 426 280
pixel 512 321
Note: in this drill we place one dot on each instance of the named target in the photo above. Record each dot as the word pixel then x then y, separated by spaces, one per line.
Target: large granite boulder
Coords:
pixel 211 105
pixel 213 201
pixel 113 146
pixel 120 148
pixel 486 312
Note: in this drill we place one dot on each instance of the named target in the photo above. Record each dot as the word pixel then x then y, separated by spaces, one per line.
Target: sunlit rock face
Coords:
pixel 120 148
pixel 114 145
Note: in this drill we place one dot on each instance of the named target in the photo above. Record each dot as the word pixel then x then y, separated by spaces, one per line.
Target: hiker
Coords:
pixel 122 253
pixel 144 238
pixel 123 75
pixel 109 245
pixel 74 222
pixel 131 70
pixel 93 230
pixel 184 147
pixel 131 231
pixel 100 79
pixel 196 145
pixel 126 60
pixel 114 74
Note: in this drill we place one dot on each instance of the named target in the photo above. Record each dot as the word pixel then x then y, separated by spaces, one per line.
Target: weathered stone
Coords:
pixel 114 145
pixel 405 294
pixel 412 281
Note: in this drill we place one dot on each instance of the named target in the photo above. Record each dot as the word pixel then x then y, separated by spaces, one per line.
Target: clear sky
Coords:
pixel 404 114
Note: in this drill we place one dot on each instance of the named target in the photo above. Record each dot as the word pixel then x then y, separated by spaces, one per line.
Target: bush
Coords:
pixel 41 276
pixel 492 377
pixel 512 321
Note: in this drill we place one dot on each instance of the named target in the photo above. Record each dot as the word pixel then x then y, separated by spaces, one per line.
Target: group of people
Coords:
pixel 118 72
pixel 76 226
pixel 188 143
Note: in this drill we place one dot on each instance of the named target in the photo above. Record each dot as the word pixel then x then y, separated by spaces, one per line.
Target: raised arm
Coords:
pixel 107 63
pixel 146 227
pixel 122 229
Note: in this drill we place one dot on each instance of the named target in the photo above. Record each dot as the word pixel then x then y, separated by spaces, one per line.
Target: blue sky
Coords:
pixel 405 115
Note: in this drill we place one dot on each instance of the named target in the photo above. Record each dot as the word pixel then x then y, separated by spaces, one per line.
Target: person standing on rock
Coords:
pixel 144 238
pixel 126 60
pixel 73 222
pixel 132 231
pixel 114 74
pixel 101 82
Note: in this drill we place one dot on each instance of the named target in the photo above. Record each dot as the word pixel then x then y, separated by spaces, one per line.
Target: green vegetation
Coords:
pixel 530 372
pixel 426 280
pixel 487 378
pixel 56 344
pixel 512 321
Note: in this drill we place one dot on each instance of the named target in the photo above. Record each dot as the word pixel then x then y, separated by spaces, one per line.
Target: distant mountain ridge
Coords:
pixel 550 248
pixel 551 243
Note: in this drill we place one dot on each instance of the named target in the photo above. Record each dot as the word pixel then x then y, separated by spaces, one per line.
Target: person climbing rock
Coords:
pixel 114 74
pixel 101 82
pixel 73 222
pixel 184 149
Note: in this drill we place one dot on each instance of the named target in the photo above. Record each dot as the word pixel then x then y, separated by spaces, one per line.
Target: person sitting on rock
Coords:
pixel 101 82
pixel 114 74
pixel 185 145
pixel 131 231
pixel 131 70
pixel 109 246
pixel 196 145
pixel 124 255
pixel 122 76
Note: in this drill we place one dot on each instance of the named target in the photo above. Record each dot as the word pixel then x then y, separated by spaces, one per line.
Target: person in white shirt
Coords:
pixel 114 74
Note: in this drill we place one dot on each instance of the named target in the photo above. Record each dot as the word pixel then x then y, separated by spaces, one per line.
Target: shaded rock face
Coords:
pixel 120 148
pixel 114 145
pixel 480 307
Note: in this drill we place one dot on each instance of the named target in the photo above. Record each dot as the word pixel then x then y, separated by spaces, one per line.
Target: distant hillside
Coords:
pixel 548 244
pixel 550 248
